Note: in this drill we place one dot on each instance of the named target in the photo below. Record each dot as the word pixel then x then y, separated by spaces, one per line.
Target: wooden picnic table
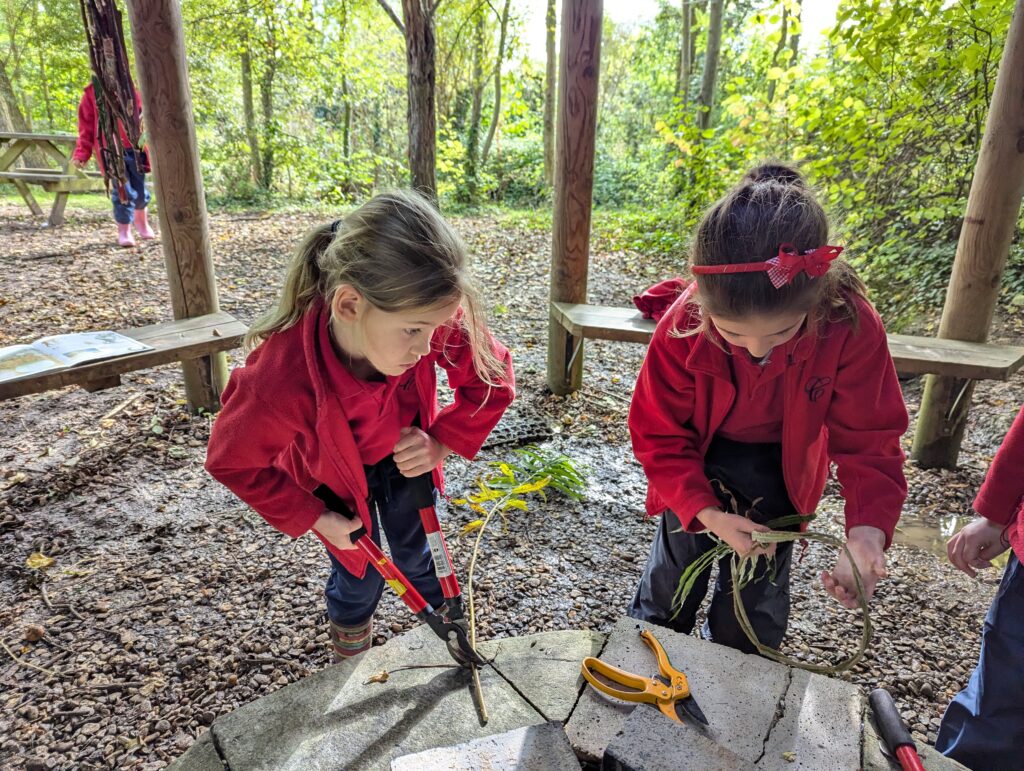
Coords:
pixel 63 180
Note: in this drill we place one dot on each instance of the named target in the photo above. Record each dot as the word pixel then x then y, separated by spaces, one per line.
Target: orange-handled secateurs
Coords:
pixel 669 690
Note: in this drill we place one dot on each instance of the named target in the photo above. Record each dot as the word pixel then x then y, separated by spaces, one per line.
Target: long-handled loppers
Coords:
pixel 449 622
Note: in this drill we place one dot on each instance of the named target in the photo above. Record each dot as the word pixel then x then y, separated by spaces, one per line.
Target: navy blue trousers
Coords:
pixel 350 600
pixel 983 727
pixel 138 195
pixel 741 473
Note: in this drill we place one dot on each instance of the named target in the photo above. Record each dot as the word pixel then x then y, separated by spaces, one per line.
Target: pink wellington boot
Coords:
pixel 142 225
pixel 124 235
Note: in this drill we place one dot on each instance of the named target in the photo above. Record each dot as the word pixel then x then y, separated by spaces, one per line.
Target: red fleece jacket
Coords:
pixel 89 128
pixel 1001 498
pixel 283 431
pixel 842 403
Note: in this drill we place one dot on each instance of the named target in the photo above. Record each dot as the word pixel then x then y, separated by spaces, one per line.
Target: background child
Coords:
pixel 757 376
pixel 342 391
pixel 984 724
pixel 89 142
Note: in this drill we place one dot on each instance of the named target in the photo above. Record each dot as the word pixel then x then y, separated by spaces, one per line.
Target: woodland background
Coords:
pixel 302 103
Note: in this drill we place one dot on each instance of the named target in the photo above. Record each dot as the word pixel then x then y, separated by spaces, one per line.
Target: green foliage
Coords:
pixel 532 469
pixel 885 117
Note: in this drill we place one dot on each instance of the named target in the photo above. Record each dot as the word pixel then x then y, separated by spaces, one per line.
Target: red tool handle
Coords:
pixel 423 495
pixel 894 733
pixel 394 577
pixel 361 539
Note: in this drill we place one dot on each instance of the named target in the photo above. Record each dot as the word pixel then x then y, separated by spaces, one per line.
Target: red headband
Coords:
pixel 784 267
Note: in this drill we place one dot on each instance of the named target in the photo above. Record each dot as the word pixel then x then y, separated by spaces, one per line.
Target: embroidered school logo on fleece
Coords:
pixel 815 387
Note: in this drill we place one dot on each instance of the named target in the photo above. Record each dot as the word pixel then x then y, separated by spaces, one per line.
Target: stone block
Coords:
pixel 649 741
pixel 201 756
pixel 819 726
pixel 535 748
pixel 738 693
pixel 337 718
pixel 545 667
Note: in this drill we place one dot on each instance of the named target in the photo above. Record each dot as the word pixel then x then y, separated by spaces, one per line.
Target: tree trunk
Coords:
pixel 778 49
pixel 420 54
pixel 794 39
pixel 993 206
pixel 31 157
pixel 549 96
pixel 497 84
pixel 267 109
pixel 471 166
pixel 579 67
pixel 249 110
pixel 685 68
pixel 178 183
pixel 346 98
pixel 705 102
pixel 44 79
pixel 346 119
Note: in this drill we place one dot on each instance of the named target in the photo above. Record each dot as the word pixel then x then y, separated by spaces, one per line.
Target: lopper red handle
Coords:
pixel 894 733
pixel 423 496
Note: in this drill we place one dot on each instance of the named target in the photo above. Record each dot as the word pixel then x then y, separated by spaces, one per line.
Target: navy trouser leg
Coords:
pixel 766 599
pixel 351 600
pixel 983 727
pixel 744 473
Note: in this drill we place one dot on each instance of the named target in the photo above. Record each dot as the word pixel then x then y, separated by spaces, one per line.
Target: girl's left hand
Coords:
pixel 866 544
pixel 417 452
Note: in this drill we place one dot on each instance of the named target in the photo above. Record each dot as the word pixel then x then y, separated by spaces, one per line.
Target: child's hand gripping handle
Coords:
pixel 361 539
pixel 422 488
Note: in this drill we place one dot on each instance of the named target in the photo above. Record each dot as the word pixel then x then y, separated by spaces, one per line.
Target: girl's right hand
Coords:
pixel 336 529
pixel 974 547
pixel 735 531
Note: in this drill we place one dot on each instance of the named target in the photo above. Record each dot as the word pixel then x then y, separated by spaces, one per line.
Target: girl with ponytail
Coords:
pixel 765 368
pixel 340 390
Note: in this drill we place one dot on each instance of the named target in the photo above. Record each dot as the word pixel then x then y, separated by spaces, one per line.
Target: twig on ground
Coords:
pixel 24 663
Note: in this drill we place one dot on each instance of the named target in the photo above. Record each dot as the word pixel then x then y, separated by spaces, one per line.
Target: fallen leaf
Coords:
pixel 34 633
pixel 37 560
pixel 380 677
pixel 789 757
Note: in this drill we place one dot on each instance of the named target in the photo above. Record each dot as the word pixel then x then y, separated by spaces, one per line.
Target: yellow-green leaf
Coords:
pixel 476 524
pixel 532 487
pixel 37 560
pixel 515 503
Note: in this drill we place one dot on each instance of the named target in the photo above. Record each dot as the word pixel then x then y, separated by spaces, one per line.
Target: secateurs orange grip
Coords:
pixel 669 690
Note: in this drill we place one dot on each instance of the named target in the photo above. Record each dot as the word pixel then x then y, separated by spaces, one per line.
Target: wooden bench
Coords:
pixel 52 181
pixel 63 180
pixel 171 341
pixel 912 355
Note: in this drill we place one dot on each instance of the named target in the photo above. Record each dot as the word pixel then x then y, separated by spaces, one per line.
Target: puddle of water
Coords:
pixel 932 537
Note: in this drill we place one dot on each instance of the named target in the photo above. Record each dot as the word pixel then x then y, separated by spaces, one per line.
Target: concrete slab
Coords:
pixel 201 756
pixel 337 718
pixel 819 726
pixel 738 693
pixel 535 748
pixel 545 667
pixel 649 741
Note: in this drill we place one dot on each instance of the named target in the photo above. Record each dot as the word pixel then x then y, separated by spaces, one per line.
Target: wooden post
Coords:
pixel 167 116
pixel 993 207
pixel 576 127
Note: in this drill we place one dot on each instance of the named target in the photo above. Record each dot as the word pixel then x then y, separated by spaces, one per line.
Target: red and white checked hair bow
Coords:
pixel 782 268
